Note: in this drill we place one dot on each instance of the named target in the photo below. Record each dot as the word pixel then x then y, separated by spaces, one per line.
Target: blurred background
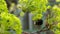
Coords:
pixel 29 16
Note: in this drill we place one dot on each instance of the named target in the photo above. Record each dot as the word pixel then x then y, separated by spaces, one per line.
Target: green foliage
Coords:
pixel 3 7
pixel 55 19
pixel 36 7
pixel 21 14
pixel 9 23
